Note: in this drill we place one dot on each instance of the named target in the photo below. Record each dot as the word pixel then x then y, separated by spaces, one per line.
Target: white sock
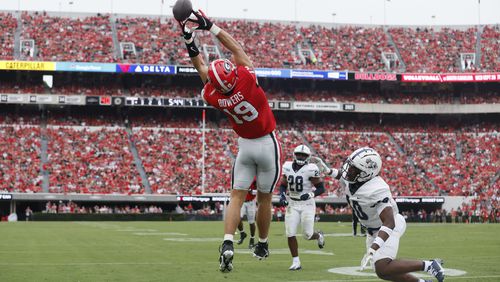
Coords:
pixel 253 237
pixel 421 280
pixel 242 231
pixel 296 260
pixel 263 240
pixel 229 237
pixel 427 264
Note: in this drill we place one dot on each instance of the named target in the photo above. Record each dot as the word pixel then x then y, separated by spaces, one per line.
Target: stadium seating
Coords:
pixel 87 39
pixel 91 160
pixel 429 50
pixel 349 47
pixel 156 41
pixel 8 25
pixel 268 44
pixel 490 48
pixel 20 159
pixel 275 45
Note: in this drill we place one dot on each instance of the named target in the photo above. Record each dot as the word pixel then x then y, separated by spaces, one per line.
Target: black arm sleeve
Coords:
pixel 282 189
pixel 320 189
pixel 192 49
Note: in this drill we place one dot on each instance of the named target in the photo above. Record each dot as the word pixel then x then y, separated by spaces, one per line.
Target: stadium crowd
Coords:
pixel 274 45
pixel 72 207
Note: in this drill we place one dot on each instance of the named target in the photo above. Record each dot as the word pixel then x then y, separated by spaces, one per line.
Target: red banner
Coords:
pixel 450 77
pixel 375 76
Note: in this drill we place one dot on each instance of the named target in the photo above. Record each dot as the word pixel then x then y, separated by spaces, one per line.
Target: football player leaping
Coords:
pixel 234 90
pixel 371 200
pixel 299 178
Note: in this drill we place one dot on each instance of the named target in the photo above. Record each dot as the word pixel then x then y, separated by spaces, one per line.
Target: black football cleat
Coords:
pixel 261 250
pixel 243 235
pixel 226 256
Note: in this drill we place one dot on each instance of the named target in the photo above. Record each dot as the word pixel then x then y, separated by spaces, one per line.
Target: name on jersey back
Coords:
pixel 231 101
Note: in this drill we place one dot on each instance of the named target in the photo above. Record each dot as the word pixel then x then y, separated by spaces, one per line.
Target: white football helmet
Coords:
pixel 301 154
pixel 362 165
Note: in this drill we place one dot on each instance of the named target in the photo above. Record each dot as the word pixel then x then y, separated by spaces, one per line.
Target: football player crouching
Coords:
pixel 303 182
pixel 370 199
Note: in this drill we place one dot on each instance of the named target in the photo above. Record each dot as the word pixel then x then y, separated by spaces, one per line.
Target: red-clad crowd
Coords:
pixel 8 25
pixel 20 159
pixel 91 160
pixel 272 45
pixel 429 50
pixel 86 39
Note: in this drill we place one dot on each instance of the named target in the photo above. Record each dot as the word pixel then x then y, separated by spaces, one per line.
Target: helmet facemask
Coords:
pixel 301 158
pixel 350 173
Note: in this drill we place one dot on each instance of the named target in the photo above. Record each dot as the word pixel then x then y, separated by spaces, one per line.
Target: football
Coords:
pixel 182 9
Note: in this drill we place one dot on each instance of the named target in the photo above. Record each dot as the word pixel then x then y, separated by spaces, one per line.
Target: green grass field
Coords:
pixel 188 251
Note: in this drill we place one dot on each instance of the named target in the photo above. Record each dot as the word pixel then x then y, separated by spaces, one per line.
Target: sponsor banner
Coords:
pixel 317 106
pixel 165 102
pixel 317 74
pixel 105 100
pixel 308 74
pixel 349 107
pixel 419 200
pixel 186 70
pixel 85 67
pixel 203 198
pixel 450 77
pixel 284 105
pixel 278 73
pixel 375 76
pixel 5 196
pixel 41 99
pixel 29 66
pixel 75 100
pixel 118 101
pixel 92 100
pixel 158 69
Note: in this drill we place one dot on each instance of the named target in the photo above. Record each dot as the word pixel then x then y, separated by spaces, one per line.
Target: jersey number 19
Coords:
pixel 243 111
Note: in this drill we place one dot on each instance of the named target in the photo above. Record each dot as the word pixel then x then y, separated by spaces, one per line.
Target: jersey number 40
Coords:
pixel 357 210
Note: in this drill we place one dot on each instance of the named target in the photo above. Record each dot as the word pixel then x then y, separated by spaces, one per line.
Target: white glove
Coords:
pixel 321 165
pixel 367 260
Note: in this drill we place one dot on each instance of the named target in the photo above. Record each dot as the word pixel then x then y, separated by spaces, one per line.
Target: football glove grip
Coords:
pixel 367 260
pixel 307 196
pixel 283 201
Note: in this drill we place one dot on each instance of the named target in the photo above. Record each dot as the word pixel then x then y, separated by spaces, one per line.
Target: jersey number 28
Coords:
pixel 298 181
pixel 244 111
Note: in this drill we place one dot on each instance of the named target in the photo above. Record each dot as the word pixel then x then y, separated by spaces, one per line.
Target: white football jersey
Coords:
pixel 298 181
pixel 369 200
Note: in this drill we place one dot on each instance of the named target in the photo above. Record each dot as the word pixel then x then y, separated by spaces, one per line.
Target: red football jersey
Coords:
pixel 252 192
pixel 247 107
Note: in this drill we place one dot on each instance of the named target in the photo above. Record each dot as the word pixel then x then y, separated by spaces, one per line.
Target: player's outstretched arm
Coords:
pixel 194 52
pixel 240 57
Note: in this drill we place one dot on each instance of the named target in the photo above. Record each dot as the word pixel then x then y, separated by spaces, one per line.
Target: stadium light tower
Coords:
pixel 385 13
pixel 333 16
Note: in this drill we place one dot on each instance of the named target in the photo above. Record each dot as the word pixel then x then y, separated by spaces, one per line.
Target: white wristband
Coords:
pixel 334 172
pixel 215 29
pixel 386 230
pixel 190 40
pixel 379 242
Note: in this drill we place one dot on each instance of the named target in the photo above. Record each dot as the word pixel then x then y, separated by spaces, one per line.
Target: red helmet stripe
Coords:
pixel 212 65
